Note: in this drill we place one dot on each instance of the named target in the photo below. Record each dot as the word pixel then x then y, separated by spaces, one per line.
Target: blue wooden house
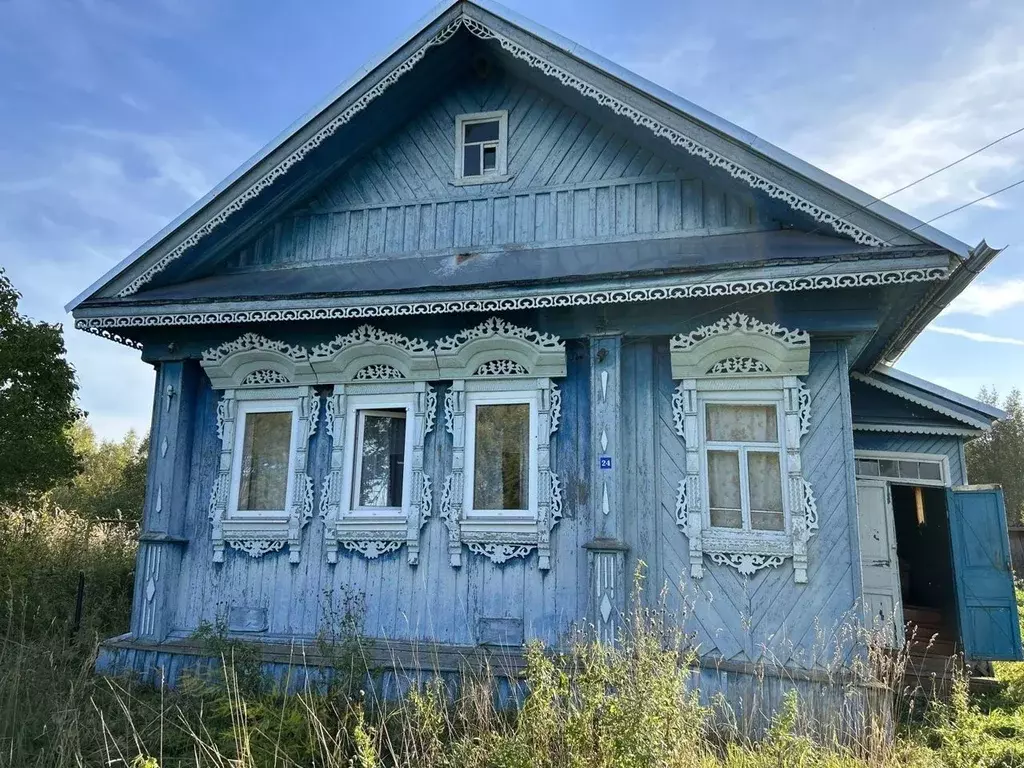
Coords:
pixel 499 321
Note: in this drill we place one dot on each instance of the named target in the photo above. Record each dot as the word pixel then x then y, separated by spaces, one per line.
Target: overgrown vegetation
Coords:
pixel 998 455
pixel 593 706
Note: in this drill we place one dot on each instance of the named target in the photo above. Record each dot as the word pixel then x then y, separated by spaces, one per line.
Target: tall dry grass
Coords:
pixel 630 706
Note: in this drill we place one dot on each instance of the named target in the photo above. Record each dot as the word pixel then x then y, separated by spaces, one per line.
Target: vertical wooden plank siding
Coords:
pixel 564 188
pixel 431 601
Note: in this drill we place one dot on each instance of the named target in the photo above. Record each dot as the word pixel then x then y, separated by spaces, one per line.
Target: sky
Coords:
pixel 116 115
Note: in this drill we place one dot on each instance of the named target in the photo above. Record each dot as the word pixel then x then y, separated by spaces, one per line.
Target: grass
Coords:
pixel 592 706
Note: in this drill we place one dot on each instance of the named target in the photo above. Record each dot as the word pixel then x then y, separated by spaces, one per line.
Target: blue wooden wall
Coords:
pixel 573 181
pixel 431 601
pixel 768 616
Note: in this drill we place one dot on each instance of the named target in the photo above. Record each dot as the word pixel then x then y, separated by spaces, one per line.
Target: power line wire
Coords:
pixel 937 171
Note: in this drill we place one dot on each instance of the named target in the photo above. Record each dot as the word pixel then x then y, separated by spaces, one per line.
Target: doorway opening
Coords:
pixel 924 554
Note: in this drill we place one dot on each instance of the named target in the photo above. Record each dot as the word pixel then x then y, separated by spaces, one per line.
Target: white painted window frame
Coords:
pixel 741 360
pixel 260 374
pixel 744 397
pixel 497 362
pixel 937 458
pixel 246 407
pixel 354 470
pixel 530 397
pixel 501 170
pixel 370 369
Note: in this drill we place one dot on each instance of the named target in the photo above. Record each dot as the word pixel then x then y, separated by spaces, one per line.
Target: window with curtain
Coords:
pixel 265 461
pixel 744 466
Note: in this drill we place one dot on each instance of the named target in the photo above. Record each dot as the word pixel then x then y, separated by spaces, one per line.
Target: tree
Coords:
pixel 112 481
pixel 37 403
pixel 998 455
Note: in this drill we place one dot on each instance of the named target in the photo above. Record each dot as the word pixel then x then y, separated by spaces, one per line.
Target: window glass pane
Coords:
pixel 888 468
pixel 501 465
pixel 471 160
pixel 742 423
pixel 382 459
pixel 764 481
pixel 724 489
pixel 909 469
pixel 767 521
pixel 868 467
pixel 930 470
pixel 266 444
pixel 482 131
pixel 490 158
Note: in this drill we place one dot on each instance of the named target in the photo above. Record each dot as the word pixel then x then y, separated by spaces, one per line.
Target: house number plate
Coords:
pixel 606 462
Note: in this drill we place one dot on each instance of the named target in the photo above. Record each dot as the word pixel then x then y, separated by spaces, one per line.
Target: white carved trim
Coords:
pixel 370 354
pixel 747 565
pixel 604 567
pixel 370 534
pixel 257 536
pixel 923 402
pixel 740 344
pixel 500 537
pixel 497 348
pixel 252 360
pixel 738 365
pixel 748 551
pixel 911 429
pixel 660 129
pixel 501 368
pixel 106 326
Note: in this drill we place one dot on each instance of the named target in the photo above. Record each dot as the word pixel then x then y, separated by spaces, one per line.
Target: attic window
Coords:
pixel 481 142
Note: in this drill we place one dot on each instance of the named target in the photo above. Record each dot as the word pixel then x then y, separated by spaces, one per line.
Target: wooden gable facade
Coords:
pixel 631 261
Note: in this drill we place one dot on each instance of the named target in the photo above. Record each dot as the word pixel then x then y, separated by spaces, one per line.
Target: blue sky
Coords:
pixel 118 114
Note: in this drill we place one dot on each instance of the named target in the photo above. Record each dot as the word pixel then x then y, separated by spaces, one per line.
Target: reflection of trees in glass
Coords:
pixel 265 448
pixel 501 460
pixel 382 455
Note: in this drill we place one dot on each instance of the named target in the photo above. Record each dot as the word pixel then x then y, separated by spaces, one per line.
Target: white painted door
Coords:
pixel 883 612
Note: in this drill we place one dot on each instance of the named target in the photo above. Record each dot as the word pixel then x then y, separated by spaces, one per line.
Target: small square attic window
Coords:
pixel 481 142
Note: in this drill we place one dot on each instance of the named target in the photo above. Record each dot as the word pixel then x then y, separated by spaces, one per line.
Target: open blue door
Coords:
pixel 984 579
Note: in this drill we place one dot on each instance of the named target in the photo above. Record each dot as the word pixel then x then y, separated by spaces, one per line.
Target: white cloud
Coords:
pixel 911 125
pixel 985 338
pixel 985 299
pixel 71 214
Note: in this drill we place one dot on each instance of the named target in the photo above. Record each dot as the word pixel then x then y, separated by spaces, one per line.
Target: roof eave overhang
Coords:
pixel 962 275
pixel 933 397
pixel 118 320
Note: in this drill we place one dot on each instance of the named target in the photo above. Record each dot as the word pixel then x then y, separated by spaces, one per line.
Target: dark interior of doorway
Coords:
pixel 926 571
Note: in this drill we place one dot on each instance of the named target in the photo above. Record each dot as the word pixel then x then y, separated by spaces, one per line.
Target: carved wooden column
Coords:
pixel 160 542
pixel 607 550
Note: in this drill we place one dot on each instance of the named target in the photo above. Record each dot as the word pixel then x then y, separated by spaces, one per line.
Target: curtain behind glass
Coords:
pixel 266 445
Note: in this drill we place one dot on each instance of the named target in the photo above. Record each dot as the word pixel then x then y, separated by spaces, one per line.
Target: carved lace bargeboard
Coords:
pixel 494 359
pixel 364 367
pixel 740 354
pixel 253 369
pixel 570 80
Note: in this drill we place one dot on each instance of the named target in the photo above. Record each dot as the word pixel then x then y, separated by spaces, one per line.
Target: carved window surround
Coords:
pixel 741 359
pixel 370 368
pixel 257 374
pixel 499 363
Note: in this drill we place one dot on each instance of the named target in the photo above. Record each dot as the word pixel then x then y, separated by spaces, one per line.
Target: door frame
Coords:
pixel 888 482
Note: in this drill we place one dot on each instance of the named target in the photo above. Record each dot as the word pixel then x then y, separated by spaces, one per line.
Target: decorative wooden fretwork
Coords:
pixel 745 358
pixel 365 367
pixel 499 362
